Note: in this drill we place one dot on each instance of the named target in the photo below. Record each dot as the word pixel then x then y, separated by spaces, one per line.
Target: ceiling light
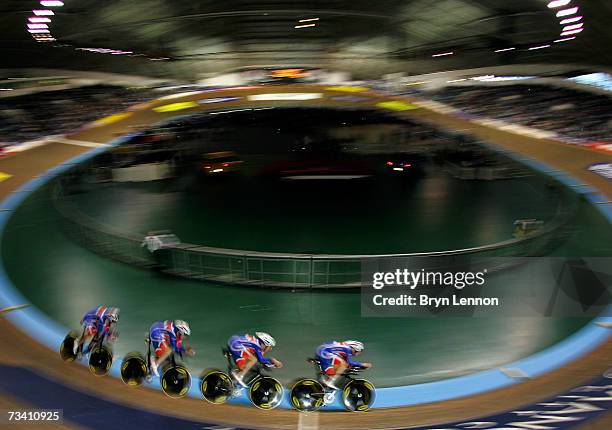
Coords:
pixel 539 47
pixel 572 27
pixel 566 12
pixel 38 26
pixel 38 19
pixel 565 39
pixel 51 3
pixel 42 12
pixel 309 19
pixel 570 20
pixel 305 25
pixel 557 3
pixel 443 54
pixel 567 33
pixel 504 49
pixel 38 31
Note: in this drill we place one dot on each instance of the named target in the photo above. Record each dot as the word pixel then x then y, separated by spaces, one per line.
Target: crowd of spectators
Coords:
pixel 29 117
pixel 571 113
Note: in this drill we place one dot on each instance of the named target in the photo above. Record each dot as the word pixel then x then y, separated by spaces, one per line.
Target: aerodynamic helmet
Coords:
pixel 265 338
pixel 113 314
pixel 355 345
pixel 182 327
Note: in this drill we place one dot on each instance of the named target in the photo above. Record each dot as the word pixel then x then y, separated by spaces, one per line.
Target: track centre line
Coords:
pixel 308 421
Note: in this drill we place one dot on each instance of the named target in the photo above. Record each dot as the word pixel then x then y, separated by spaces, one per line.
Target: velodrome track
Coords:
pixel 23 352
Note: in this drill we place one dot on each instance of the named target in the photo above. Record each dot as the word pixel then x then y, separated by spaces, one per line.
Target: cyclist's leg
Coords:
pixel 244 363
pixel 162 352
pixel 338 366
pixel 89 332
pixel 79 342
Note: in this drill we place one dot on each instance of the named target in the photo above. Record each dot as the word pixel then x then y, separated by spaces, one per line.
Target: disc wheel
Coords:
pixel 266 393
pixel 307 395
pixel 176 381
pixel 216 386
pixel 100 360
pixel 67 347
pixel 133 369
pixel 358 395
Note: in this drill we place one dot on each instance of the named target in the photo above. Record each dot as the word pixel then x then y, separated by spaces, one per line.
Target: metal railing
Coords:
pixel 278 269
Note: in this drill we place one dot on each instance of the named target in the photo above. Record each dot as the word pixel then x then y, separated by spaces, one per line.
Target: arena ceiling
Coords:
pixel 190 37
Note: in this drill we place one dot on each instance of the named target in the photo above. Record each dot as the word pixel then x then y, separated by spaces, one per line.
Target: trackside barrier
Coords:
pixel 276 269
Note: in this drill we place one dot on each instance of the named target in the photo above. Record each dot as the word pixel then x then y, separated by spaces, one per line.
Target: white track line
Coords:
pixel 308 421
pixel 13 308
pixel 79 142
pixel 31 144
pixel 606 324
pixel 514 372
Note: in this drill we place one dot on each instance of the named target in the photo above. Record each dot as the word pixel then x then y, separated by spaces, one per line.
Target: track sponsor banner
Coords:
pixel 567 410
pixel 461 285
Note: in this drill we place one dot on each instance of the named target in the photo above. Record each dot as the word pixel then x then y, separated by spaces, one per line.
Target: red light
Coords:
pixel 207 167
pixel 225 164
pixel 407 165
pixel 389 163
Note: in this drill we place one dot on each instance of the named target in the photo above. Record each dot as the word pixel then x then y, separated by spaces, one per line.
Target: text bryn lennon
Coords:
pixel 425 300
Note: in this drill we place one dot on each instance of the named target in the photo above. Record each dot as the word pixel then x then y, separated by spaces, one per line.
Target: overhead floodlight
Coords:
pixel 51 3
pixel 308 19
pixel 565 39
pixel 43 12
pixel 558 3
pixel 36 31
pixel 567 33
pixel 566 12
pixel 570 20
pixel 504 49
pixel 443 54
pixel 305 25
pixel 572 27
pixel 538 47
pixel 36 19
pixel 38 26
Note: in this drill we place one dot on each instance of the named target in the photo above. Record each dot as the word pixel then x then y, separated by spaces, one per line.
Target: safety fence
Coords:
pixel 279 269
